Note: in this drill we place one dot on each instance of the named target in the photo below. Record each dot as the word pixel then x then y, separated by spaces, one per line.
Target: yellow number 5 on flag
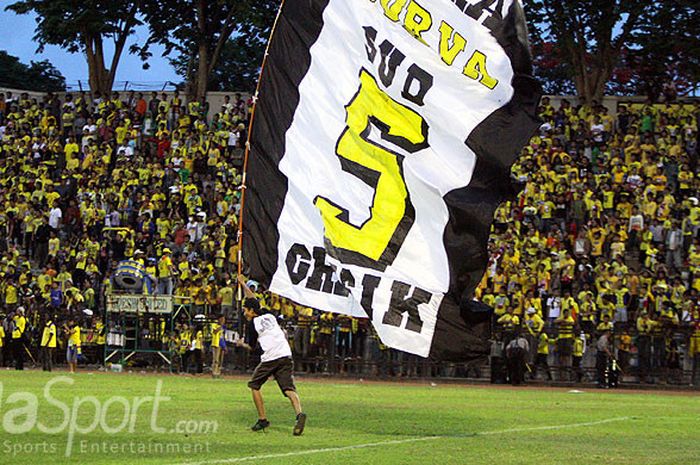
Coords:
pixel 376 242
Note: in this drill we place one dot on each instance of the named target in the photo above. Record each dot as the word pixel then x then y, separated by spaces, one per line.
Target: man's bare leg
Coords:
pixel 294 399
pixel 301 417
pixel 259 404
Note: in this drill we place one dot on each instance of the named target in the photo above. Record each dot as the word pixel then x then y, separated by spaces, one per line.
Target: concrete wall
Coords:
pixel 610 102
pixel 215 99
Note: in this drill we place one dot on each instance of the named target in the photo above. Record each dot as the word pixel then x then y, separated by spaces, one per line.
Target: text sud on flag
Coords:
pixel 380 148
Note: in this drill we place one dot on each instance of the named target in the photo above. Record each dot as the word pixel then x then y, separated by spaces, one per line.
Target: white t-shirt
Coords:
pixel 55 216
pixel 271 337
pixel 636 223
pixel 233 138
pixel 597 130
pixel 554 306
pixel 126 150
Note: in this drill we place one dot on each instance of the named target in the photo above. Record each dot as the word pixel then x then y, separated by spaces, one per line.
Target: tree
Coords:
pixel 549 66
pixel 83 27
pixel 665 51
pixel 238 66
pixel 204 32
pixel 39 76
pixel 590 36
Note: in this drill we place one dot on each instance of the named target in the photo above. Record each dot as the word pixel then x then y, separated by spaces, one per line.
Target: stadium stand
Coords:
pixel 603 236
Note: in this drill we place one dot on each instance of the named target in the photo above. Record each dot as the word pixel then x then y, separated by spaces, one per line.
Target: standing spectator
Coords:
pixel 498 374
pixel 41 242
pixel 218 345
pixel 72 330
pixel 674 246
pixel 624 347
pixel 55 216
pixel 533 325
pixel 3 336
pixel 603 354
pixel 579 348
pixel 694 349
pixel 48 344
pixel 510 323
pixel 19 328
pixel 166 273
pixel 198 347
pixel 543 355
pixel 140 107
pixel 516 351
pixel 565 340
pixel 154 104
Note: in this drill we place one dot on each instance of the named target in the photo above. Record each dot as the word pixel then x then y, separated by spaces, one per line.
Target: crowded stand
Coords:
pixel 594 267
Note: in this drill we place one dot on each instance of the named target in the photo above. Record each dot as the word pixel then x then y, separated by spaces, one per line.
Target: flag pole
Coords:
pixel 239 237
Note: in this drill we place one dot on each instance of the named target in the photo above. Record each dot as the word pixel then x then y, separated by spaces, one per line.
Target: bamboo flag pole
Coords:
pixel 239 238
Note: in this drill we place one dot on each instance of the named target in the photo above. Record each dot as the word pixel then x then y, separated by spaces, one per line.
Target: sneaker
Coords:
pixel 260 425
pixel 299 425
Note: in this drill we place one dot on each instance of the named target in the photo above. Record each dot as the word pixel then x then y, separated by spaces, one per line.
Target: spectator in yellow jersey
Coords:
pixel 565 325
pixel 73 347
pixel 49 340
pixel 166 273
pixel 226 299
pixel 3 336
pixel 694 348
pixel 19 337
pixel 579 347
pixel 510 322
pixel 218 345
pixel 542 355
pixel 533 325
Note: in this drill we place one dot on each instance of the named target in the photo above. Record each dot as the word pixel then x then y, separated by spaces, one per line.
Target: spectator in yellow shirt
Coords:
pixel 72 330
pixel 48 344
pixel 217 345
pixel 2 343
pixel 166 271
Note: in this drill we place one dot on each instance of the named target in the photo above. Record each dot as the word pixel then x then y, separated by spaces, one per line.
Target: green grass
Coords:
pixel 659 429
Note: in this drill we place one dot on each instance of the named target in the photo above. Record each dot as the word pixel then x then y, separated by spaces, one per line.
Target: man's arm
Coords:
pixel 244 345
pixel 246 290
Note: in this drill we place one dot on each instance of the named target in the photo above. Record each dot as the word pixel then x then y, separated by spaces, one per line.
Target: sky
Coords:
pixel 16 39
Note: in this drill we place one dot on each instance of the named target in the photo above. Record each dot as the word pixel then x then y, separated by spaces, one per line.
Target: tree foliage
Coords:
pixel 83 26
pixel 38 76
pixel 589 36
pixel 549 67
pixel 237 69
pixel 664 57
pixel 217 40
pixel 621 47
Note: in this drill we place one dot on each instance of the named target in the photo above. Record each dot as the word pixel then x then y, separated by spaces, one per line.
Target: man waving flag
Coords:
pixel 380 147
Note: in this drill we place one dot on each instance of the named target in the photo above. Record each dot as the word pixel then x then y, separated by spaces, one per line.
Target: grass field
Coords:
pixel 349 423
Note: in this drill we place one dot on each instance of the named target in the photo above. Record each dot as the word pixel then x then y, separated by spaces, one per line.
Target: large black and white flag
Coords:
pixel 381 145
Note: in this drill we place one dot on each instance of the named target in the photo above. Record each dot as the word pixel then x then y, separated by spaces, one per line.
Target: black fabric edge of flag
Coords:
pixel 463 325
pixel 299 27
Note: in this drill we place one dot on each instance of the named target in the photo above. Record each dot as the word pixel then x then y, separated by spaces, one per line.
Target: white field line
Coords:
pixel 401 441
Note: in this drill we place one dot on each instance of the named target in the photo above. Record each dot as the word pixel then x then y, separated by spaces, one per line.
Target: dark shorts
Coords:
pixel 565 347
pixel 280 369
